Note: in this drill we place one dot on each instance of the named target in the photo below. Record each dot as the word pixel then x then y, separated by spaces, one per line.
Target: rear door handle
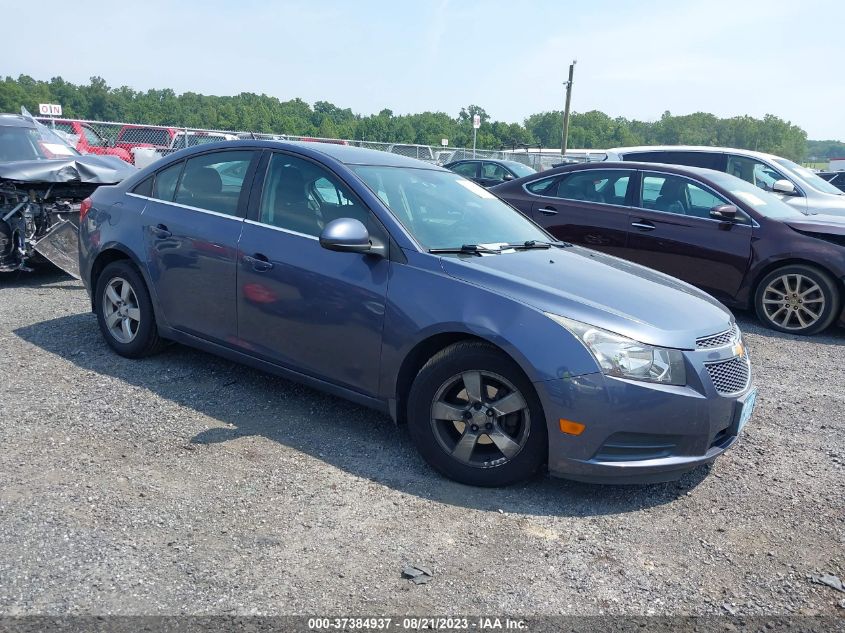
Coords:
pixel 260 263
pixel 160 230
pixel 548 210
pixel 643 225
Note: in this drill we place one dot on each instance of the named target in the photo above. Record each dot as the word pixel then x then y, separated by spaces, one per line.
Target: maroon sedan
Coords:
pixel 713 230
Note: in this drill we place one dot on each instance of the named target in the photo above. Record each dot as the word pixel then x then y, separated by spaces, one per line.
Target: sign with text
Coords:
pixel 476 121
pixel 49 109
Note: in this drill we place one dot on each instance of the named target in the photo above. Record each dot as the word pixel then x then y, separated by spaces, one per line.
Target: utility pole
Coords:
pixel 565 134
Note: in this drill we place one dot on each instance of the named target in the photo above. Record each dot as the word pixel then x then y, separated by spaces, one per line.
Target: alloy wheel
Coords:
pixel 480 419
pixel 121 311
pixel 793 301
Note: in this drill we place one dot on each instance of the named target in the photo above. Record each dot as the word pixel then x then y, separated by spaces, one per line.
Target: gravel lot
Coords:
pixel 187 484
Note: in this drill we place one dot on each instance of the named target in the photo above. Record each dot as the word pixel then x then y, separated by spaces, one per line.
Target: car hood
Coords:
pixel 599 289
pixel 830 224
pixel 88 168
pixel 826 204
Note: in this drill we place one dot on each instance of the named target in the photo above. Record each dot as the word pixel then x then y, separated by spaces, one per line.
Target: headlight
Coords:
pixel 626 358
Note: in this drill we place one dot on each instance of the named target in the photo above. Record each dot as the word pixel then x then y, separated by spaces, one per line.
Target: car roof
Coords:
pixel 15 120
pixel 702 172
pixel 690 148
pixel 346 154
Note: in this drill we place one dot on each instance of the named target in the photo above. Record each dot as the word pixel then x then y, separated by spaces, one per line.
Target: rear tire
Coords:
pixel 797 299
pixel 475 417
pixel 125 312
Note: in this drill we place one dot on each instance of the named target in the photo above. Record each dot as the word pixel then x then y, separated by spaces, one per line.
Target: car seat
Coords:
pixel 291 206
pixel 672 197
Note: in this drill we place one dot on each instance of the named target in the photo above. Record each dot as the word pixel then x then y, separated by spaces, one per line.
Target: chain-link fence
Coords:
pixel 142 145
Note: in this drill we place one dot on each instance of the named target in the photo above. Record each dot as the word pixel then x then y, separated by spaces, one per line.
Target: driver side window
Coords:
pixel 303 197
pixel 753 171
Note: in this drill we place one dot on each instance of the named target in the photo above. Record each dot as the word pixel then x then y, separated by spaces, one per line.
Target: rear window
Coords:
pixel 144 135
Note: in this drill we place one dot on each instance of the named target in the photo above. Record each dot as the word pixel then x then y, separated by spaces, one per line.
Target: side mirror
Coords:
pixel 725 212
pixel 110 142
pixel 784 186
pixel 348 235
pixel 507 177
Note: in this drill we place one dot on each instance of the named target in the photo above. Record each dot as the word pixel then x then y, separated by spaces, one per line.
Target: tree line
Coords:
pixel 262 113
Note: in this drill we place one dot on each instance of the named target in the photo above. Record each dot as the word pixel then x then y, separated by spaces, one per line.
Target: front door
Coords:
pixel 317 311
pixel 191 226
pixel 672 231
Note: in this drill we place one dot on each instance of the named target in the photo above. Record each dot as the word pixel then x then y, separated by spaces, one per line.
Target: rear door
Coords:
pixel 191 224
pixel 671 231
pixel 587 207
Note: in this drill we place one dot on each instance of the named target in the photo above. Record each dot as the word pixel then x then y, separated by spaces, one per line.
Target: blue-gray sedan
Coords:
pixel 407 288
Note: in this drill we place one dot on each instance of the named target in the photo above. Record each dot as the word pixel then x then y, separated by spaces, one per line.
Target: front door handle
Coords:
pixel 160 230
pixel 260 263
pixel 548 210
pixel 643 225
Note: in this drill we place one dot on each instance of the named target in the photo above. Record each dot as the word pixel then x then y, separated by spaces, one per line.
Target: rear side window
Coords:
pixel 165 182
pixel 541 187
pixel 145 188
pixel 595 185
pixel 214 181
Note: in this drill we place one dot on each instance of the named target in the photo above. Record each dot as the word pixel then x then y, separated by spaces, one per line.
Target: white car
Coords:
pixel 795 185
pixel 147 155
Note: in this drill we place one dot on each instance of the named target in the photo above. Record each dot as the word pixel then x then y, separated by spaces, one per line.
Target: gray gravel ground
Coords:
pixel 188 484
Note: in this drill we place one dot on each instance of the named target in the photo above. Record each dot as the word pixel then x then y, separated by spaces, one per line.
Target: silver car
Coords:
pixel 796 185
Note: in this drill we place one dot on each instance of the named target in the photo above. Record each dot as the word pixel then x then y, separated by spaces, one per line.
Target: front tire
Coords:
pixel 797 299
pixel 475 417
pixel 125 311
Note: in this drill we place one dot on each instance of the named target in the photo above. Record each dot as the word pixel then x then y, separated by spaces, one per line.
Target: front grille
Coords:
pixel 730 376
pixel 717 340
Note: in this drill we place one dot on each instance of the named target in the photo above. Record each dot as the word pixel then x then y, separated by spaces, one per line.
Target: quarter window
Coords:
pixel 145 188
pixel 165 182
pixel 303 197
pixel 214 181
pixel 595 185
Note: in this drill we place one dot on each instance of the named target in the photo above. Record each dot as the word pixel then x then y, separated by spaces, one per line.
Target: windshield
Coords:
pixel 443 210
pixel 521 170
pixel 761 201
pixel 809 176
pixel 26 143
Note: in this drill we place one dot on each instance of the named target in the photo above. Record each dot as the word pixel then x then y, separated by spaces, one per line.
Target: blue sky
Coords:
pixel 635 59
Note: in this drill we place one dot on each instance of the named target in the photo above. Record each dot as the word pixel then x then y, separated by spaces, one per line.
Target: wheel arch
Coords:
pixel 421 353
pixel 791 261
pixel 117 252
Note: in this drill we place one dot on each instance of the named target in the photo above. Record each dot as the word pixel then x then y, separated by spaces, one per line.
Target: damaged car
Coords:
pixel 43 183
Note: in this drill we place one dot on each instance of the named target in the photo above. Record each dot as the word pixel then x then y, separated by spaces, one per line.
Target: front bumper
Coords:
pixel 637 432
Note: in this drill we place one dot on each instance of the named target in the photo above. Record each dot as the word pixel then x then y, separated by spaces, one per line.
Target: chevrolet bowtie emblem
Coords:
pixel 739 350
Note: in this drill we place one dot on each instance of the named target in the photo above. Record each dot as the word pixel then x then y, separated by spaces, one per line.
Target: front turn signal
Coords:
pixel 571 428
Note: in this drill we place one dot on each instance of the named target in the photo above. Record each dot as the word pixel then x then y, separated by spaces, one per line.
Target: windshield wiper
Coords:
pixel 521 246
pixel 469 249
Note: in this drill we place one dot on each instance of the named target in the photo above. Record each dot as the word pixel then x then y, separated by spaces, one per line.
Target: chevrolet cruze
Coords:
pixel 410 289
